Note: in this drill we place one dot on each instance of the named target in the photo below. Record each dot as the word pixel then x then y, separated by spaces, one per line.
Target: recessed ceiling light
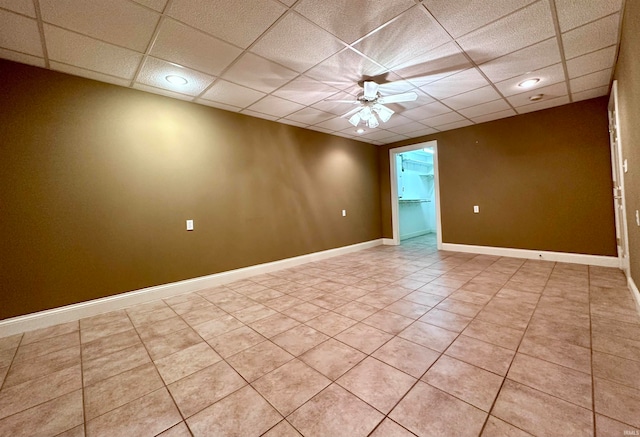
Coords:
pixel 176 80
pixel 360 131
pixel 536 97
pixel 529 83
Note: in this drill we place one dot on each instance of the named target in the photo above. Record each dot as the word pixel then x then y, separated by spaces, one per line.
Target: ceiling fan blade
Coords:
pixel 398 98
pixel 343 101
pixel 353 111
pixel 370 90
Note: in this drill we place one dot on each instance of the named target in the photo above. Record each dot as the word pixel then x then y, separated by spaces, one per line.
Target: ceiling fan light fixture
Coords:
pixel 383 112
pixel 355 119
pixel 373 122
pixel 529 83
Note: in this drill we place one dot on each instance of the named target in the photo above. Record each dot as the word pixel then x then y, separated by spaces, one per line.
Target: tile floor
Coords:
pixel 391 341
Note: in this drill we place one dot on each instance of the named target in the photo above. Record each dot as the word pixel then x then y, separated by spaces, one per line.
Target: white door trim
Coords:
pixel 395 213
pixel 618 170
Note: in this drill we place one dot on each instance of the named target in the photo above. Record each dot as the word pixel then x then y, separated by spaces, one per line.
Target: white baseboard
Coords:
pixel 575 258
pixel 389 242
pixel 634 290
pixel 70 313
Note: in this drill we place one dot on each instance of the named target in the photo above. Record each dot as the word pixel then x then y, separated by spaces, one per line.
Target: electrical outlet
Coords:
pixel 189 225
pixel 476 209
pixel 344 213
pixel 637 218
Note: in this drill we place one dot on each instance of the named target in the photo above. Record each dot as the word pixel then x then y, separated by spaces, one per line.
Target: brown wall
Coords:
pixel 98 180
pixel 542 181
pixel 628 76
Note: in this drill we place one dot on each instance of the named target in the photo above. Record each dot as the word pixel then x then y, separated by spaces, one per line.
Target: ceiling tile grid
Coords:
pixel 290 60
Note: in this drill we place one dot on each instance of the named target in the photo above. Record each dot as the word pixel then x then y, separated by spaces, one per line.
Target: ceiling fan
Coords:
pixel 371 105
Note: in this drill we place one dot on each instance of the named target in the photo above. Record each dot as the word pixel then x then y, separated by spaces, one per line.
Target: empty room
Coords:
pixel 319 218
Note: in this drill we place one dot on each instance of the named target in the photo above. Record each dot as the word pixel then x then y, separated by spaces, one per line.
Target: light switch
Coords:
pixel 344 213
pixel 476 209
pixel 189 225
pixel 637 218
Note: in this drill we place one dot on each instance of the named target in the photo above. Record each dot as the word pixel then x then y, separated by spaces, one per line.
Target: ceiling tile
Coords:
pixel 238 22
pixel 275 106
pixel 589 81
pixel 439 120
pixel 573 13
pixel 494 116
pixel 21 57
pixel 20 34
pixel 24 7
pixel 271 77
pixel 485 108
pixel 397 120
pixel 310 116
pixel 516 31
pixel 283 43
pixel 154 73
pixel 590 94
pixel 345 69
pixel 333 124
pixel 119 22
pixel 187 46
pixel 305 91
pixel 259 115
pixel 293 123
pixel 405 41
pixel 544 104
pixel 77 71
pixel 157 5
pixel 421 132
pixel 82 51
pixel 472 98
pixel 591 37
pixel 455 84
pixel 394 139
pixel 218 105
pixel 548 76
pixel 377 134
pixel 549 92
pixel 162 92
pixel 518 63
pixel 454 125
pixel 435 64
pixel 319 129
pixel 462 16
pixel 408 127
pixel 340 16
pixel 232 94
pixel 594 61
pixel 422 112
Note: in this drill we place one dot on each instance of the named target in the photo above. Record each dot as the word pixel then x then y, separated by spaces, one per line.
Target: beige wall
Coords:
pixel 628 76
pixel 542 181
pixel 98 180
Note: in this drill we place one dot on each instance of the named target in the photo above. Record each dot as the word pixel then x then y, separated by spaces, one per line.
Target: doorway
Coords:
pixel 415 193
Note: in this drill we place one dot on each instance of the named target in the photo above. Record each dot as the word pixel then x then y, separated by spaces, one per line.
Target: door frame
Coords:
pixel 395 210
pixel 617 164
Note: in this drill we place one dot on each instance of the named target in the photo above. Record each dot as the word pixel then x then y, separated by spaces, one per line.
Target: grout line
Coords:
pixel 563 58
pixel 43 42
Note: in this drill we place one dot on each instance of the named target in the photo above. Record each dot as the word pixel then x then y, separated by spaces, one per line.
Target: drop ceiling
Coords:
pixel 286 60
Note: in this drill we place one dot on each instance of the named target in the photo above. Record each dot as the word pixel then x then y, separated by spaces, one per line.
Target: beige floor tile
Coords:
pixel 363 337
pixel 388 428
pixel 426 410
pixel 77 431
pixel 330 301
pixel 618 346
pixel 408 309
pixel 283 302
pixel 437 289
pixel 49 332
pixel 196 303
pixel 444 319
pixel 244 413
pixel 499 428
pixel 202 315
pixel 161 328
pixel 43 347
pixel 282 429
pixel 217 326
pixel 558 352
pixel 205 387
pixel 356 310
pixel 407 356
pixel 146 416
pixel 487 356
pixel 330 323
pixel 36 391
pixel 539 413
pixel 423 298
pixel 91 333
pixel 304 312
pixel 470 297
pixel 616 369
pixel 162 346
pixel 143 318
pixel 464 381
pixel 259 360
pixel 6 357
pixel 601 325
pixel 274 325
pixel 108 345
pixel 118 390
pixel 103 319
pixel 106 366
pixel 43 365
pixel 389 322
pixel 3 374
pixel 333 412
pixel 47 419
pixel 508 338
pixel 185 362
pixel 559 331
pixel 617 401
pixel 332 358
pixel 429 336
pixel 377 383
pixel 562 382
pixel 606 427
pixel 253 313
pixel 232 342
pixel 179 430
pixel 300 339
pixel 10 342
pixel 290 386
